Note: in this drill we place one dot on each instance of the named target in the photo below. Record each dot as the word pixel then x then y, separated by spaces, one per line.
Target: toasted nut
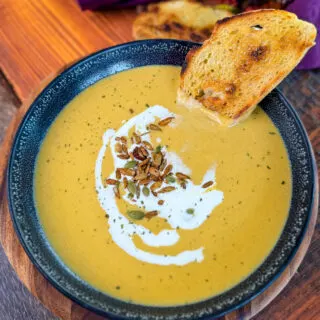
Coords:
pixel 116 192
pixel 154 171
pixel 165 121
pixel 123 140
pixel 154 178
pixel 111 181
pixel 138 154
pixel 148 145
pixel 151 214
pixel 123 156
pixel 160 202
pixel 137 138
pixel 141 176
pixel 207 184
pixel 157 159
pixel 167 170
pixel 118 147
pixel 144 162
pixel 154 193
pixel 163 164
pixel 144 151
pixel 118 174
pixel 124 149
pixel 182 176
pixel 166 189
pixel 127 172
pixel 156 185
pixel 154 127
pixel 144 181
pixel 125 182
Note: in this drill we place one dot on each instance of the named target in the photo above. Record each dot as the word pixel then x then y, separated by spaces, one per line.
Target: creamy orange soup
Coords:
pixel 207 232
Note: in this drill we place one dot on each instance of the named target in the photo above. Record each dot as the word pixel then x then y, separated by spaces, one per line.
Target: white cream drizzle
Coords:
pixel 174 209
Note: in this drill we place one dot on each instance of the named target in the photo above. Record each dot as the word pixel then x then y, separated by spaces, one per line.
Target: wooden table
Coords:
pixel 37 38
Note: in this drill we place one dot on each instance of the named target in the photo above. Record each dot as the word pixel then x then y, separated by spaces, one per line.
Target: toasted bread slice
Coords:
pixel 177 20
pixel 246 57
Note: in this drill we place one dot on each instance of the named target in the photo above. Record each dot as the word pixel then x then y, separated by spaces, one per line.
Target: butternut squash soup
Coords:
pixel 154 203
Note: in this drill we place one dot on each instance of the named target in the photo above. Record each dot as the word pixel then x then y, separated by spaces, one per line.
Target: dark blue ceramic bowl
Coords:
pixel 46 108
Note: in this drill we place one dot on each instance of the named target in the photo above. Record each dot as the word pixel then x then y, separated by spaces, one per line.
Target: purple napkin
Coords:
pixel 98 4
pixel 309 10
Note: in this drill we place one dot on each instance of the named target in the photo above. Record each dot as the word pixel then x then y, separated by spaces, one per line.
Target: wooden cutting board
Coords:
pixel 37 40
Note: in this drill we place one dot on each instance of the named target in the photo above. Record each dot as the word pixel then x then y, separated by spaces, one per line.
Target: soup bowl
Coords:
pixel 20 183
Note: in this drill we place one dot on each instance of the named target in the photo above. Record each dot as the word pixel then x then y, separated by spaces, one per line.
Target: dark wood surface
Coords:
pixel 299 300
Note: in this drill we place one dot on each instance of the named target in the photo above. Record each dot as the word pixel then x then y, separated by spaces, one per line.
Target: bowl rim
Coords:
pixel 56 285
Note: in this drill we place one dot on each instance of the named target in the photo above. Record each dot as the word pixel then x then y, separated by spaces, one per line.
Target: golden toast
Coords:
pixel 246 57
pixel 177 20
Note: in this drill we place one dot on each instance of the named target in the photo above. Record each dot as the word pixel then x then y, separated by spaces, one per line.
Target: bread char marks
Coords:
pixel 245 58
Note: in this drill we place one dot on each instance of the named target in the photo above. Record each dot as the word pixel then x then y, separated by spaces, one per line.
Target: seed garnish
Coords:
pixel 165 121
pixel 166 189
pixel 182 176
pixel 207 184
pixel 111 181
pixel 136 214
pixel 151 214
pixel 130 164
pixel 154 127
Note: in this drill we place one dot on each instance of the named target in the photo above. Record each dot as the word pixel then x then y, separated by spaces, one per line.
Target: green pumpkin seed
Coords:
pixel 136 214
pixel 130 164
pixel 190 211
pixel 170 179
pixel 132 187
pixel 158 149
pixel 145 191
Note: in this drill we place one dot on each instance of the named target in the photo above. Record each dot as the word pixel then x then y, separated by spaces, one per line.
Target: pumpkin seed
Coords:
pixel 158 148
pixel 130 164
pixel 131 187
pixel 170 179
pixel 136 214
pixel 146 191
pixel 190 211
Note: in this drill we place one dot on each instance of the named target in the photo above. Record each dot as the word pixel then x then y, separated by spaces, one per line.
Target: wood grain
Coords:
pixel 39 37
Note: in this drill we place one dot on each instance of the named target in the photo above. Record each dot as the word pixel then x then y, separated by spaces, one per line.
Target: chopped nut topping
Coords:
pixel 207 184
pixel 165 121
pixel 111 181
pixel 154 127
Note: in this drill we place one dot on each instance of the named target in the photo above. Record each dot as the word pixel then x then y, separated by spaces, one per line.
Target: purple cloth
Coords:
pixel 99 4
pixel 309 10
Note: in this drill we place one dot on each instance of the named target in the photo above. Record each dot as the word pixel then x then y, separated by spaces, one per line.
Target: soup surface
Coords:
pixel 227 202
